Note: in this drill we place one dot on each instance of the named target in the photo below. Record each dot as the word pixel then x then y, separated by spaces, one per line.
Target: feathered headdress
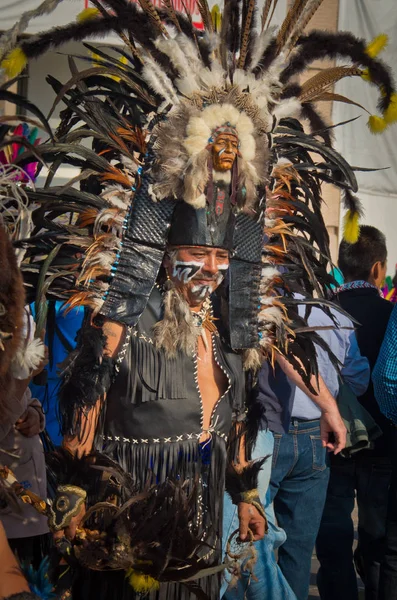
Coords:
pixel 151 110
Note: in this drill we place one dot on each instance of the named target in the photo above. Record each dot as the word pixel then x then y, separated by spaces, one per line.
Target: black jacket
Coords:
pixel 372 313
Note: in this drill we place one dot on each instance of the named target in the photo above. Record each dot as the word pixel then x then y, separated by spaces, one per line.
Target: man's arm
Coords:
pixel 89 420
pixel 331 421
pixel 83 443
pixel 12 580
pixel 384 375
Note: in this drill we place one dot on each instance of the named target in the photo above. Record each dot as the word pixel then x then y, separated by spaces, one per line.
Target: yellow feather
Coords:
pixel 390 114
pixel 351 227
pixel 97 60
pixel 216 17
pixel 377 45
pixel 87 14
pixel 365 74
pixel 376 124
pixel 14 63
pixel 142 583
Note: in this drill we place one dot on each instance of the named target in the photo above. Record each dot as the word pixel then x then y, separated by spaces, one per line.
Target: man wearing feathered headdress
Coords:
pixel 199 166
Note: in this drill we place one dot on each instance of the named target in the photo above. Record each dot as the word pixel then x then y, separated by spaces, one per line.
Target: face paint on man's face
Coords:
pixel 185 271
pixel 222 272
pixel 201 291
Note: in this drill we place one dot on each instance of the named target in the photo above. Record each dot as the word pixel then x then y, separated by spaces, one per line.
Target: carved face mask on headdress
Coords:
pixel 224 149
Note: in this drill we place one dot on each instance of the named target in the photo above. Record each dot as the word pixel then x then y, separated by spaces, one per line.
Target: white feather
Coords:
pixel 155 77
pixel 212 77
pixel 271 316
pixel 190 51
pixel 269 272
pixel 171 48
pixel 28 358
pixel 262 42
pixel 291 107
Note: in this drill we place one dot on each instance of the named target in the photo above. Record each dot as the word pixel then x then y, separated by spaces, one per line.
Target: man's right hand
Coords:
pixel 70 531
pixel 331 423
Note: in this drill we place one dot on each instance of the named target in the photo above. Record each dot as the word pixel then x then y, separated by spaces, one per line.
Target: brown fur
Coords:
pixel 12 302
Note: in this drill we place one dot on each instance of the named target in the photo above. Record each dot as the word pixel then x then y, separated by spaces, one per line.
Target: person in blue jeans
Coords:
pixel 276 394
pixel 268 575
pixel 300 471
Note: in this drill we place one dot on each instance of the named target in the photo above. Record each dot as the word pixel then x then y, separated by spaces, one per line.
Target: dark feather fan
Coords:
pixel 150 534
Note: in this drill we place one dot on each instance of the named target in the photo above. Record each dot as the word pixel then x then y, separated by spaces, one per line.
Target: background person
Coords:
pixel 300 471
pixel 384 378
pixel 366 475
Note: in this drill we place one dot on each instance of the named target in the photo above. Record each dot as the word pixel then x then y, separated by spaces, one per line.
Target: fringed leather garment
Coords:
pixel 152 427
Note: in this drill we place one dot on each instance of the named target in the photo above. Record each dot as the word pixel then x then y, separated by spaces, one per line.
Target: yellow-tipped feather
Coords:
pixel 87 14
pixel 351 227
pixel 216 17
pixel 376 124
pixel 365 74
pixel 376 46
pixel 98 60
pixel 390 114
pixel 15 62
pixel 142 583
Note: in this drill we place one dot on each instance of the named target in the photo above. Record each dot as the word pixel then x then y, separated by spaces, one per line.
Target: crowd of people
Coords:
pixel 191 402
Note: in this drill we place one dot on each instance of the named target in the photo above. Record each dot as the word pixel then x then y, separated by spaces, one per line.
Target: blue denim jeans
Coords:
pixel 298 486
pixel 270 584
pixel 368 479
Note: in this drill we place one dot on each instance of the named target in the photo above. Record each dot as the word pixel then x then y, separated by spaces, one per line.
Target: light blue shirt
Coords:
pixel 355 369
pixel 384 375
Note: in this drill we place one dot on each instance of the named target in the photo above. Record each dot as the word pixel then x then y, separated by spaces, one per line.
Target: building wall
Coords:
pixel 326 17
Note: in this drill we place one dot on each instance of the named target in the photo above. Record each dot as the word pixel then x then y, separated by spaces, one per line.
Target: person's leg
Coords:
pixel 336 577
pixel 299 502
pixel 388 570
pixel 373 481
pixel 268 576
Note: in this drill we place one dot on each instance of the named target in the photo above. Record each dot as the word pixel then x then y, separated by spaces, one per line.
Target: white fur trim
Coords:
pixel 225 176
pixel 198 203
pixel 200 128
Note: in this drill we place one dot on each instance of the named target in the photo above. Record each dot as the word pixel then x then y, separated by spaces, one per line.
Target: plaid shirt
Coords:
pixel 384 376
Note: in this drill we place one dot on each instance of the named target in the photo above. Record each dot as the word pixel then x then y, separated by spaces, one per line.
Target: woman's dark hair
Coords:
pixel 356 260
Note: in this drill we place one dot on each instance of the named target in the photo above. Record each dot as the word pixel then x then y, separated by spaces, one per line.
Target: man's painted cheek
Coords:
pixel 185 271
pixel 222 272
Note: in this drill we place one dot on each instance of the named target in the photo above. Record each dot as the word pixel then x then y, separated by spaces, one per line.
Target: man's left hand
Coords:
pixel 29 424
pixel 250 518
